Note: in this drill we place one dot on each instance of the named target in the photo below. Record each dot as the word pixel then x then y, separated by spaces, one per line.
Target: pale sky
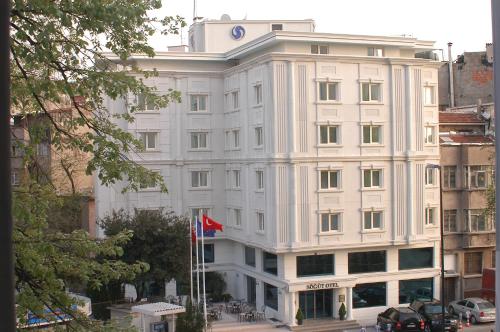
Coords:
pixel 466 23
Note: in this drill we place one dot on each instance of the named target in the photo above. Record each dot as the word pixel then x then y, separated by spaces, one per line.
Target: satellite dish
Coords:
pixel 225 17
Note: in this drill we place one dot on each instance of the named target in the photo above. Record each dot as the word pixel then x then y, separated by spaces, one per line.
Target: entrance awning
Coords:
pixel 158 309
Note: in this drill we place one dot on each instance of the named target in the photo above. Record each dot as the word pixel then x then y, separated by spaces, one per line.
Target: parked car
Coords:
pixel 431 311
pixel 401 319
pixel 480 310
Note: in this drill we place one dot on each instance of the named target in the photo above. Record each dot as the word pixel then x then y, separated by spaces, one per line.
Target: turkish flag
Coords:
pixel 211 225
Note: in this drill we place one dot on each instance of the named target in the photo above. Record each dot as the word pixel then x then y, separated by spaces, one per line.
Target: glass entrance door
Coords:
pixel 316 304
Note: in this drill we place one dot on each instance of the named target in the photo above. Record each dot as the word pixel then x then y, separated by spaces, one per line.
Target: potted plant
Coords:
pixel 299 317
pixel 342 312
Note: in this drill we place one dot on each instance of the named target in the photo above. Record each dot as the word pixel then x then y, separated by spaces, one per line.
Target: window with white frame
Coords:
pixel 450 221
pixel 450 176
pixel 478 177
pixel 330 179
pixel 328 91
pixel 227 101
pixel 328 134
pixel 371 91
pixel 227 139
pixel 375 51
pixel 259 136
pixel 372 134
pixel 477 221
pixel 236 178
pixel 372 178
pixel 372 220
pixel 198 103
pixel 199 179
pixel 430 216
pixel 236 138
pixel 330 222
pixel 257 92
pixel 42 149
pixel 228 180
pixel 429 176
pixel 199 212
pixel 149 140
pixel 236 99
pixel 260 221
pixel 430 135
pixel 319 49
pixel 237 217
pixel 144 104
pixel 149 182
pixel 199 140
pixel 429 95
pixel 259 179
pixel 14 178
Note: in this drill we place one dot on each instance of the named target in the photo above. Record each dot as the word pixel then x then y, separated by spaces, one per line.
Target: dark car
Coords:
pixel 401 319
pixel 431 311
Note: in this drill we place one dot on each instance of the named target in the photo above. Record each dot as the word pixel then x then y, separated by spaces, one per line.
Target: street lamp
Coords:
pixel 441 228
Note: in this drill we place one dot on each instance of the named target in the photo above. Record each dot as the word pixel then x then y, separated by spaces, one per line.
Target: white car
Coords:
pixel 480 310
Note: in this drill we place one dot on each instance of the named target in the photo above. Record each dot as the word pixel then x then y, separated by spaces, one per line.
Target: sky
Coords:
pixel 466 23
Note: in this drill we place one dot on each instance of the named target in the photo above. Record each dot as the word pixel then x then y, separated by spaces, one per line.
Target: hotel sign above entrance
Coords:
pixel 318 285
pixel 311 286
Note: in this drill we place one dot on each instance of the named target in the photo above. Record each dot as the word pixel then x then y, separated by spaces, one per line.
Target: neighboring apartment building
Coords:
pixel 311 149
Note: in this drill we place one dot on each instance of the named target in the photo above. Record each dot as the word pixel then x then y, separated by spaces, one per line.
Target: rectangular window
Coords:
pixel 227 139
pixel 330 179
pixel 328 134
pixel 450 176
pixel 375 51
pixel 260 221
pixel 257 91
pixel 330 222
pixel 270 263
pixel 476 221
pixel 430 216
pixel 429 97
pixel 369 295
pixel 42 149
pixel 416 289
pixel 198 103
pixel 372 178
pixel 372 220
pixel 372 134
pixel 315 265
pixel 478 177
pixel 144 104
pixel 450 221
pixel 148 183
pixel 250 256
pixel 259 136
pixel 149 140
pixel 319 49
pixel 367 262
pixel 260 179
pixel 430 135
pixel 199 179
pixel 14 178
pixel 276 27
pixel 236 139
pixel 237 217
pixel 199 212
pixel 371 91
pixel 271 296
pixel 473 262
pixel 328 91
pixel 199 140
pixel 236 99
pixel 209 253
pixel 429 176
pixel 236 178
pixel 418 258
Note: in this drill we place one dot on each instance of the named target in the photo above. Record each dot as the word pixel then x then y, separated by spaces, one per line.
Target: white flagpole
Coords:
pixel 197 265
pixel 191 256
pixel 203 269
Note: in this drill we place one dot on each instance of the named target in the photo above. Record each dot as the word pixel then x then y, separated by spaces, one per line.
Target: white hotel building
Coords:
pixel 311 149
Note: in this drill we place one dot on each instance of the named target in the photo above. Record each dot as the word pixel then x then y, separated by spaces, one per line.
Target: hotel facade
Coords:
pixel 311 149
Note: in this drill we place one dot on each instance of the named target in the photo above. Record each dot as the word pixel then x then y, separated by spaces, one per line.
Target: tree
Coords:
pixel 160 239
pixel 192 320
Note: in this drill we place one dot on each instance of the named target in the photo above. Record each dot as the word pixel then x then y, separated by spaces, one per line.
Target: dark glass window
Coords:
pixel 369 295
pixel 415 258
pixel 270 263
pixel 276 27
pixel 209 253
pixel 315 265
pixel 416 289
pixel 271 296
pixel 250 256
pixel 367 261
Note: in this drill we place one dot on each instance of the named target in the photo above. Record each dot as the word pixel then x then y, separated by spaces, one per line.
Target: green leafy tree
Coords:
pixel 160 239
pixel 192 320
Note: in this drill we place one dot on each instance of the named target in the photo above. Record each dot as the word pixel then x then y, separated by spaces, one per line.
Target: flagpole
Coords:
pixel 191 256
pixel 203 269
pixel 197 265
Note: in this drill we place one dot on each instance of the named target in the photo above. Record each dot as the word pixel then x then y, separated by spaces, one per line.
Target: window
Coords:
pixel 209 253
pixel 328 134
pixel 199 140
pixel 478 177
pixel 416 289
pixel 149 140
pixel 372 220
pixel 369 295
pixel 199 179
pixel 148 183
pixel 416 258
pixel 260 179
pixel 371 91
pixel 227 139
pixel 366 262
pixel 270 263
pixel 375 51
pixel 450 221
pixel 250 256
pixel 473 262
pixel 199 212
pixel 319 49
pixel 328 91
pixel 372 134
pixel 430 216
pixel 236 99
pixel 330 179
pixel 271 296
pixel 476 221
pixel 315 265
pixel 236 138
pixel 259 136
pixel 330 222
pixel 260 221
pixel 144 104
pixel 42 149
pixel 429 176
pixel 237 217
pixel 430 135
pixel 198 103
pixel 236 178
pixel 372 178
pixel 450 176
pixel 276 27
pixel 257 91
pixel 429 97
pixel 14 178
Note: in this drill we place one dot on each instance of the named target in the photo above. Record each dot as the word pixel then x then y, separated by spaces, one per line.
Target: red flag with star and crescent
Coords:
pixel 211 225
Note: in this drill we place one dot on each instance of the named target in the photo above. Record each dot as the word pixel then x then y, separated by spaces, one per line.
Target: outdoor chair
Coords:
pixel 261 315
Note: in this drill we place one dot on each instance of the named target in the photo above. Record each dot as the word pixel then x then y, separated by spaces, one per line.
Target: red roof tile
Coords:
pixel 467 139
pixel 454 117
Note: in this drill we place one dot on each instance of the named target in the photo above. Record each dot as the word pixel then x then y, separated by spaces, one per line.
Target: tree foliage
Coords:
pixel 192 320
